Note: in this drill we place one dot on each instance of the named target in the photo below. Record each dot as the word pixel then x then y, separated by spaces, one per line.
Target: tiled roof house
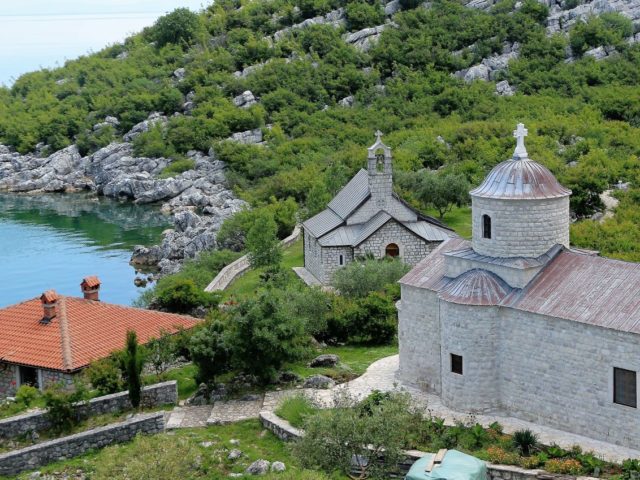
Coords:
pixel 49 339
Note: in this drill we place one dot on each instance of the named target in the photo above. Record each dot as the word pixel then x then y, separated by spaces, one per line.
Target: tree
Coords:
pixel 159 352
pixel 133 364
pixel 263 337
pixel 361 277
pixel 439 191
pixel 209 351
pixel 262 242
pixel 180 27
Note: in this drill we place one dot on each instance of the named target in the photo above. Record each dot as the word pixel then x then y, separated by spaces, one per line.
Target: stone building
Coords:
pixel 366 217
pixel 50 339
pixel 518 323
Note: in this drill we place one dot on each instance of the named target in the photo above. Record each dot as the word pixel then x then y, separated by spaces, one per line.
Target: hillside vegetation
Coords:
pixel 583 116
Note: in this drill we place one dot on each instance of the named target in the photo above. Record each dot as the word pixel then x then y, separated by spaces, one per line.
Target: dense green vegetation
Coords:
pixel 583 116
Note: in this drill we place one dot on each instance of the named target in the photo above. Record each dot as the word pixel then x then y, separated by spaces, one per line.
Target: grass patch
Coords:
pixel 177 167
pixel 459 218
pixel 182 452
pixel 295 409
pixel 16 408
pixel 185 376
pixel 248 283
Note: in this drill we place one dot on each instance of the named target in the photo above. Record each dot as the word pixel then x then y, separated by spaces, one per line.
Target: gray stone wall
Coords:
pixel 312 255
pixel 471 332
pixel 419 339
pixel 32 457
pixel 7 380
pixel 51 377
pixel 331 261
pixel 165 393
pixel 560 373
pixel 526 228
pixel 412 248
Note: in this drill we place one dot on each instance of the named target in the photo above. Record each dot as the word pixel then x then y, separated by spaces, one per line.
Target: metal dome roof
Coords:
pixel 476 287
pixel 520 178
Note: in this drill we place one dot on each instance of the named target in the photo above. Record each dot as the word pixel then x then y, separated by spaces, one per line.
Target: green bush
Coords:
pixel 525 441
pixel 27 394
pixel 153 144
pixel 361 15
pixel 630 469
pixel 295 409
pixel 363 276
pixel 177 167
pixel 182 295
pixel 88 142
pixel 262 242
pixel 59 403
pixel 372 319
pixel 180 27
pixel 105 375
pixel 134 361
pixel 210 352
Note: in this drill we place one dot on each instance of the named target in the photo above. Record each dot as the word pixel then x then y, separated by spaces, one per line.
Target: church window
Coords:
pixel 456 363
pixel 341 260
pixel 624 387
pixel 486 226
pixel 392 250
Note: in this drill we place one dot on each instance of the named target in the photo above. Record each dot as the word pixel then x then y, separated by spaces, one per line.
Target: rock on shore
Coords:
pixel 198 199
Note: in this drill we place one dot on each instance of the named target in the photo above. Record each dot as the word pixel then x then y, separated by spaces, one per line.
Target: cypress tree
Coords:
pixel 133 361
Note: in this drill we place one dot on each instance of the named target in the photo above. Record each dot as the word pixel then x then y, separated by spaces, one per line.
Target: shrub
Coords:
pixel 182 295
pixel 525 441
pixel 363 276
pixel 160 352
pixel 59 403
pixel 295 409
pixel 105 375
pixel 631 469
pixel 134 363
pixel 180 27
pixel 27 394
pixel 153 144
pixel 362 15
pixel 177 167
pixel 89 142
pixel 372 319
pixel 333 438
pixel 210 352
pixel 501 456
pixel 373 400
pixel 569 466
pixel 262 242
pixel 530 462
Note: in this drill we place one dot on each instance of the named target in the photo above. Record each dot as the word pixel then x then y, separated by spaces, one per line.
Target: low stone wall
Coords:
pixel 165 393
pixel 236 269
pixel 35 456
pixel 286 432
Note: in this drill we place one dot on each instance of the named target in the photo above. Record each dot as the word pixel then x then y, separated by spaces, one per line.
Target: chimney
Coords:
pixel 49 301
pixel 91 288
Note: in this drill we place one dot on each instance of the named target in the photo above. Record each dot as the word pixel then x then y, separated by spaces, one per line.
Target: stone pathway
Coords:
pixel 381 375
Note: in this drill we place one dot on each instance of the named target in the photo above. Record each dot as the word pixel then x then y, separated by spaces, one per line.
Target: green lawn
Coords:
pixel 181 454
pixel 459 218
pixel 248 283
pixel 185 376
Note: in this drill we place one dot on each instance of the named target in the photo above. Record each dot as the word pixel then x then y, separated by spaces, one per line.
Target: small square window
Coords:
pixel 624 387
pixel 456 363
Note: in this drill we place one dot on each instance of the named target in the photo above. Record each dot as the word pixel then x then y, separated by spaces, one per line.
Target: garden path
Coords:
pixel 381 375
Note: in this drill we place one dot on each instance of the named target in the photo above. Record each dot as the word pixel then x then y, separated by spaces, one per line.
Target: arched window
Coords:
pixel 486 226
pixel 392 250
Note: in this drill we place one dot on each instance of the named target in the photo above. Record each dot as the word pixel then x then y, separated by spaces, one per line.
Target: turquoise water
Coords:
pixel 53 241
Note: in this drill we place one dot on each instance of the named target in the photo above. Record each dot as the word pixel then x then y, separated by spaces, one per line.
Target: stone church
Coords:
pixel 518 323
pixel 366 217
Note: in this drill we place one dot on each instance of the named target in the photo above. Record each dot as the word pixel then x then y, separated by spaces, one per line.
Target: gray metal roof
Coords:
pixel 323 222
pixel 372 226
pixel 521 179
pixel 469 253
pixel 352 195
pixel 476 287
pixel 428 231
pixel 341 237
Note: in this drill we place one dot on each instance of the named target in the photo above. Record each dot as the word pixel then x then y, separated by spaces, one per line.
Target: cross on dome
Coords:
pixel 519 133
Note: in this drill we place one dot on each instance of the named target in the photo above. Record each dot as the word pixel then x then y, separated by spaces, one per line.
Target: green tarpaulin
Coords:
pixel 455 466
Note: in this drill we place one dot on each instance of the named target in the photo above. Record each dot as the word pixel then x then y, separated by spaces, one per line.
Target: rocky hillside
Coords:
pixel 275 101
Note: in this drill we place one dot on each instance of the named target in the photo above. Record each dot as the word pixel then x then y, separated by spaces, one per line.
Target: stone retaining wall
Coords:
pixel 32 457
pixel 165 393
pixel 286 432
pixel 236 269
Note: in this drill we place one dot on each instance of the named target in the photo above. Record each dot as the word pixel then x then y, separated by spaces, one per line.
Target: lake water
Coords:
pixel 53 241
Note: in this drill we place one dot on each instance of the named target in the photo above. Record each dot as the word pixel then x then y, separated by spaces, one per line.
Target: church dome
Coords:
pixel 476 287
pixel 520 178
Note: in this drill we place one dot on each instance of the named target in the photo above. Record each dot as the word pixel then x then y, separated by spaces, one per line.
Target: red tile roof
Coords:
pixel 82 331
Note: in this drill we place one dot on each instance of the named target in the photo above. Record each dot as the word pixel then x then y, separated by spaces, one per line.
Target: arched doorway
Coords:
pixel 392 250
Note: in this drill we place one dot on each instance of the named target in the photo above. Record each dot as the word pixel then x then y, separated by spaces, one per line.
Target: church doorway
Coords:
pixel 392 250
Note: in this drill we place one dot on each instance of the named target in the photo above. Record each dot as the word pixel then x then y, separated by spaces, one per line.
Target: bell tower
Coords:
pixel 380 172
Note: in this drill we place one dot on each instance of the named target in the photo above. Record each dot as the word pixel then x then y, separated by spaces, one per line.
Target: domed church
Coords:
pixel 518 323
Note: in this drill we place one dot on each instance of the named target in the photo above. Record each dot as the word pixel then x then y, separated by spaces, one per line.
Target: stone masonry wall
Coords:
pixel 32 457
pixel 312 255
pixel 50 377
pixel 419 339
pixel 472 332
pixel 560 373
pixel 165 393
pixel 7 380
pixel 412 248
pixel 526 228
pixel 331 261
